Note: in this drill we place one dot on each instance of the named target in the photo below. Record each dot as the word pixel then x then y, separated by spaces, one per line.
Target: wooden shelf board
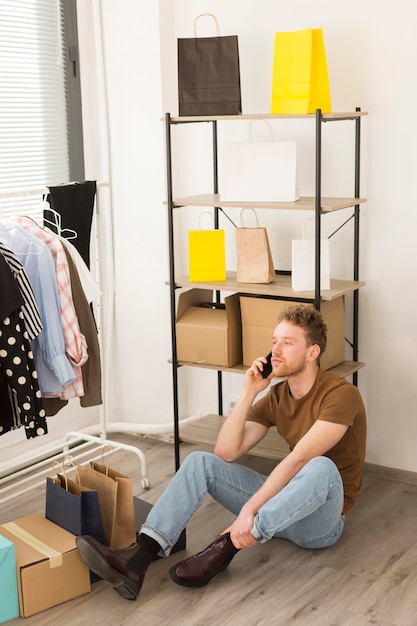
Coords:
pixel 205 431
pixel 279 288
pixel 303 204
pixel 347 368
pixel 350 115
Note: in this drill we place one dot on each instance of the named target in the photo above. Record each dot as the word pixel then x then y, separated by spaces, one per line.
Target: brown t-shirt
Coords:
pixel 332 399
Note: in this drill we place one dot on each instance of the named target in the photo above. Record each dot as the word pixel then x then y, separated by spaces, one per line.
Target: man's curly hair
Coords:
pixel 310 320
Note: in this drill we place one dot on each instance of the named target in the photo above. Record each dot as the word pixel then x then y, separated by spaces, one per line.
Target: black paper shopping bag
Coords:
pixel 209 74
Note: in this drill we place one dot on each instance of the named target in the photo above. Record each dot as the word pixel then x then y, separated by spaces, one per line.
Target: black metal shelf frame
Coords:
pixel 319 120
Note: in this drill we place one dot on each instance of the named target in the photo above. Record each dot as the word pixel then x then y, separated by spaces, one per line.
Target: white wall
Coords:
pixel 121 105
pixel 371 51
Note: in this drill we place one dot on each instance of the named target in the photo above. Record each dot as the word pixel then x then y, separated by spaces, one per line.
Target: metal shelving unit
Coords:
pixel 281 287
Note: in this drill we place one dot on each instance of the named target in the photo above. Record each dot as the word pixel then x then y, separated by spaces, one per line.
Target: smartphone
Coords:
pixel 267 366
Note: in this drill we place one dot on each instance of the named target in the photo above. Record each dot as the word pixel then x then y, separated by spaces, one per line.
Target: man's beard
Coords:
pixel 283 369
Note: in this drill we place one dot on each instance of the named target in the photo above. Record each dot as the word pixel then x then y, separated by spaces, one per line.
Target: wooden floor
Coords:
pixel 368 577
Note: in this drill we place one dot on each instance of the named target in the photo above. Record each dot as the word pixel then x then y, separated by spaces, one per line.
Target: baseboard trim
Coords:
pixel 390 473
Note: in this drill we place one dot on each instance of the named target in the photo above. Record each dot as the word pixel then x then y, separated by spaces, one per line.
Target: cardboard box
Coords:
pixel 49 569
pixel 9 605
pixel 206 332
pixel 259 319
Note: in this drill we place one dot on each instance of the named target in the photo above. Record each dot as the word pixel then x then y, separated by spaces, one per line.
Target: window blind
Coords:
pixel 33 95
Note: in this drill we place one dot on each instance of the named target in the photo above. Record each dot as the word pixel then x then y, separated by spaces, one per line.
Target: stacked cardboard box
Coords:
pixel 259 319
pixel 241 328
pixel 208 332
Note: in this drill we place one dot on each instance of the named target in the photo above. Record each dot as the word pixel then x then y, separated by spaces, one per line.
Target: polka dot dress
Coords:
pixel 19 373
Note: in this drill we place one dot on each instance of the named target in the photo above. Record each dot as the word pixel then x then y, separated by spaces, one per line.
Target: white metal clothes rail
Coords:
pixel 79 447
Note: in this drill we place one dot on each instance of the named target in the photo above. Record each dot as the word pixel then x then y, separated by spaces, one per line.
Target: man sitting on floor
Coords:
pixel 304 499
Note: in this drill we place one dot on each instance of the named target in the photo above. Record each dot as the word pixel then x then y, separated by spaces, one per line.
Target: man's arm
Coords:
pixel 237 436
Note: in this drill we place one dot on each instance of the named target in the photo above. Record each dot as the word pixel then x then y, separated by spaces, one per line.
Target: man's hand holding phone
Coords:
pixel 267 366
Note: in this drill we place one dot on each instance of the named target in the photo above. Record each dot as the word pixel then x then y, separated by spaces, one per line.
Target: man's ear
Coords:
pixel 313 352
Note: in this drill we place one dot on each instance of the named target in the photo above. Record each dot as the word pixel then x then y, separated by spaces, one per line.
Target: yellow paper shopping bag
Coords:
pixel 300 81
pixel 206 254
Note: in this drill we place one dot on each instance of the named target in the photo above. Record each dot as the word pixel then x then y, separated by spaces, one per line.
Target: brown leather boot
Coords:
pixel 199 569
pixel 115 564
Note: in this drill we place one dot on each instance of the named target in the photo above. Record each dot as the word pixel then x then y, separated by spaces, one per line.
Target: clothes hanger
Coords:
pixel 67 233
pixel 8 222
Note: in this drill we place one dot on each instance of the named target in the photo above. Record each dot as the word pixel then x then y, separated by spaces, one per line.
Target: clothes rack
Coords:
pixel 78 447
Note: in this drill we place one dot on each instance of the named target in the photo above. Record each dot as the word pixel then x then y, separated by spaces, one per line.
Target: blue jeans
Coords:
pixel 308 511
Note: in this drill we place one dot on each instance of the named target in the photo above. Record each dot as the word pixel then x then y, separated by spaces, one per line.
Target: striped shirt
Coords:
pixel 29 309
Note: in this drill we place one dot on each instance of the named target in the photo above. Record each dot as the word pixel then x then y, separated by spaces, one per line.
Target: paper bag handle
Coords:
pixel 55 474
pixel 68 460
pixel 210 15
pixel 106 449
pixel 309 219
pixel 241 217
pixel 205 213
pixel 271 134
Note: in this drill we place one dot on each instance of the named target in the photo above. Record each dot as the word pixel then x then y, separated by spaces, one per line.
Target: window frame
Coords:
pixel 74 103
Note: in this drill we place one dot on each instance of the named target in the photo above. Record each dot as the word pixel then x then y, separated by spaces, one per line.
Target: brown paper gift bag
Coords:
pixel 116 502
pixel 254 258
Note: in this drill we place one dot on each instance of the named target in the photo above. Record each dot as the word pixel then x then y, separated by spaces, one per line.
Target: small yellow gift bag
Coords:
pixel 206 254
pixel 300 81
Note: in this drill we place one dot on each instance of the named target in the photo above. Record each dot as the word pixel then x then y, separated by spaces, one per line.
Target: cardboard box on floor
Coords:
pixel 206 332
pixel 259 319
pixel 9 606
pixel 49 568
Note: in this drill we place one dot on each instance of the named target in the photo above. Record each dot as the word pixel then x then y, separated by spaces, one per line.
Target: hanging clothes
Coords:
pixel 91 370
pixel 52 364
pixel 89 286
pixel 75 342
pixel 29 308
pixel 20 396
pixel 74 202
pixel 75 291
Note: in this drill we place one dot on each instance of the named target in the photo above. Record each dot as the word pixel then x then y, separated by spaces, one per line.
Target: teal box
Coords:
pixel 9 604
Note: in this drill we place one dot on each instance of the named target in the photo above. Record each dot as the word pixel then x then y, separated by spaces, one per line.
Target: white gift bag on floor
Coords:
pixel 303 264
pixel 259 171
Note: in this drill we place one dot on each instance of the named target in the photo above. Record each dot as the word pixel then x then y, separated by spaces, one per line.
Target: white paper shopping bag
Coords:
pixel 303 264
pixel 259 171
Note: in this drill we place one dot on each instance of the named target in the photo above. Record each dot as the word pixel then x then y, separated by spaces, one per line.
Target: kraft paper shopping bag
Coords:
pixel 253 254
pixel 300 81
pixel 116 502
